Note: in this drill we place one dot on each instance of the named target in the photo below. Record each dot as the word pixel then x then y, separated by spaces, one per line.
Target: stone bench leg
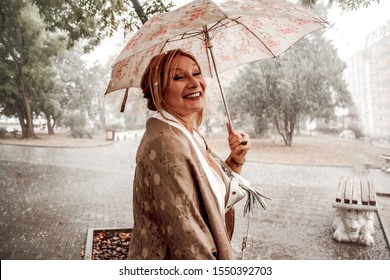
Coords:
pixel 354 226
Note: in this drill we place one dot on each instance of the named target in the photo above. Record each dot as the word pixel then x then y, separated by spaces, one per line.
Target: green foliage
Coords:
pixel 344 4
pixel 94 20
pixel 30 84
pixel 25 73
pixel 353 4
pixel 8 87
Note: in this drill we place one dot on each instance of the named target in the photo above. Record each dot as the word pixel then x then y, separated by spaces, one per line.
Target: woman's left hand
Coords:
pixel 239 144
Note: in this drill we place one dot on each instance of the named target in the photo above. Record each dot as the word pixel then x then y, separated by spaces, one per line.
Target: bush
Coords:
pixel 77 122
pixel 330 131
pixel 357 130
pixel 80 133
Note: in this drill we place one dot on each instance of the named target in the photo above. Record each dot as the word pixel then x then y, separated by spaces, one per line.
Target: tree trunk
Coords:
pixel 279 130
pixel 288 131
pixel 289 136
pixel 19 112
pixel 140 12
pixel 50 126
pixel 29 133
pixel 27 122
pixel 25 108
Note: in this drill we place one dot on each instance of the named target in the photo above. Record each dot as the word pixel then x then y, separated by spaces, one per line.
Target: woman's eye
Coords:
pixel 182 77
pixel 178 77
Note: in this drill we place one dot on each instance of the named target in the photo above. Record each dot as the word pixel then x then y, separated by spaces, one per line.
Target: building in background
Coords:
pixel 368 78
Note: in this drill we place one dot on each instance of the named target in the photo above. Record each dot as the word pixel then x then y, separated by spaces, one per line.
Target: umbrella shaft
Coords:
pixel 210 48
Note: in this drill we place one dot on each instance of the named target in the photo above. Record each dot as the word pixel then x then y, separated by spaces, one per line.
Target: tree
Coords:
pixel 344 4
pixel 26 49
pixel 298 83
pixel 25 53
pixel 77 84
pixel 98 19
pixel 46 95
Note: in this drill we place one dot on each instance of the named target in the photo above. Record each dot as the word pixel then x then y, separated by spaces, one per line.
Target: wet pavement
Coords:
pixel 50 197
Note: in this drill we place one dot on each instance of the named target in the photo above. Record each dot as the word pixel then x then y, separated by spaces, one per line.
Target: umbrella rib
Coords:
pixel 215 28
pixel 220 24
pixel 249 30
pixel 186 36
pixel 163 46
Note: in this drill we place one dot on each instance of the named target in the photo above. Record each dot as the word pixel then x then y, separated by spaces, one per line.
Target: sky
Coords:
pixel 348 30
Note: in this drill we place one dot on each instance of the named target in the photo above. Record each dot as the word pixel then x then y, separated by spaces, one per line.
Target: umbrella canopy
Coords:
pixel 221 34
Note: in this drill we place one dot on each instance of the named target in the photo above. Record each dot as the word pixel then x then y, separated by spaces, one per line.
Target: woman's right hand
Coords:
pixel 239 144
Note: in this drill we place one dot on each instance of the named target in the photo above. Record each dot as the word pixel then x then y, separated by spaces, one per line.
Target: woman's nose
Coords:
pixel 193 82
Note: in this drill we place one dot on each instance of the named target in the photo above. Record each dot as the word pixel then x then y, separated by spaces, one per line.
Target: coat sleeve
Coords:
pixel 178 207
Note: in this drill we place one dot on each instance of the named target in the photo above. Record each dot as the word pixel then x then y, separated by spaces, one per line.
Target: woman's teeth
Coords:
pixel 193 95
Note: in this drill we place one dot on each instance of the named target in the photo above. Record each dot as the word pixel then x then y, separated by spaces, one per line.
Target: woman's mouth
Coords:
pixel 192 95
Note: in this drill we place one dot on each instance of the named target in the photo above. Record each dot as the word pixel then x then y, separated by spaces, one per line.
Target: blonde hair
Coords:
pixel 158 77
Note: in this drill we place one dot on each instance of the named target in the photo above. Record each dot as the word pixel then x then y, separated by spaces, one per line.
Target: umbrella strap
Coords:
pixel 124 100
pixel 245 240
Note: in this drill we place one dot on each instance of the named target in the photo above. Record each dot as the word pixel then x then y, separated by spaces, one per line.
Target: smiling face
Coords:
pixel 185 95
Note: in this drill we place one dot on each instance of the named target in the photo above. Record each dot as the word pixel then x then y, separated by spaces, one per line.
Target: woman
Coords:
pixel 178 193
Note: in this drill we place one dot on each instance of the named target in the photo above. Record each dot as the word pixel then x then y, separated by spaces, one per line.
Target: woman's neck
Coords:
pixel 186 121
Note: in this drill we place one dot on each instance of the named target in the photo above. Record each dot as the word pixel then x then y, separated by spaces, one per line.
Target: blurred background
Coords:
pixel 56 64
pixel 319 111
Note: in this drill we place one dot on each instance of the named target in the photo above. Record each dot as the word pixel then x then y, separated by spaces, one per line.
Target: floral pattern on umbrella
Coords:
pixel 240 32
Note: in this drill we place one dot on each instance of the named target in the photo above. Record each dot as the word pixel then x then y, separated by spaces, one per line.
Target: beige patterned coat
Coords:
pixel 176 215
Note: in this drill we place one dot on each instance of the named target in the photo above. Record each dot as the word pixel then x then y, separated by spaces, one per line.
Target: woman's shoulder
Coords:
pixel 156 126
pixel 160 129
pixel 160 134
pixel 165 142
